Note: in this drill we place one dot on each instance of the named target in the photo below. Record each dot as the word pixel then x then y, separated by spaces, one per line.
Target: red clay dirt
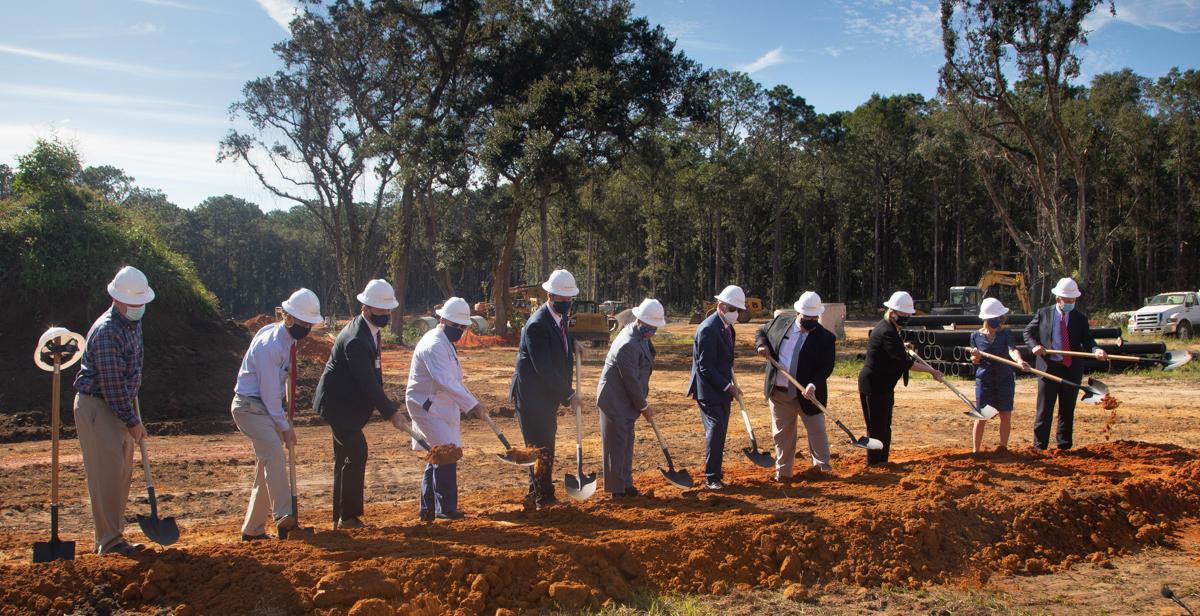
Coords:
pixel 933 517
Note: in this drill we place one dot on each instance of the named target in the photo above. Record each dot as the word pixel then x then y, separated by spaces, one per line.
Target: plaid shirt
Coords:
pixel 112 364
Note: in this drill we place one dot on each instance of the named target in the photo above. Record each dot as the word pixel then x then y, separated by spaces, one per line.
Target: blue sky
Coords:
pixel 145 84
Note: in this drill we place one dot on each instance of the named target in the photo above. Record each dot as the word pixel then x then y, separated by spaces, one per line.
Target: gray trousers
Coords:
pixel 784 411
pixel 271 492
pixel 107 450
pixel 617 435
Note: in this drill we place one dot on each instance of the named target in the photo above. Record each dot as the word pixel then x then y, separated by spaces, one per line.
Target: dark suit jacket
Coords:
pixel 351 386
pixel 542 379
pixel 1041 331
pixel 625 379
pixel 816 356
pixel 712 361
pixel 886 360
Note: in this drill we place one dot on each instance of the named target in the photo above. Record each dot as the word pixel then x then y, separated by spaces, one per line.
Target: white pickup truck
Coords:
pixel 1167 313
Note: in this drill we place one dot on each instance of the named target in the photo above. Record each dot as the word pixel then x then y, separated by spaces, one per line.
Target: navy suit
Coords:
pixel 541 383
pixel 1040 331
pixel 712 373
pixel 350 389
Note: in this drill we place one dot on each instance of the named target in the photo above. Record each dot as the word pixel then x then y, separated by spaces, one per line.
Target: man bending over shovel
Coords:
pixel 258 411
pixel 435 399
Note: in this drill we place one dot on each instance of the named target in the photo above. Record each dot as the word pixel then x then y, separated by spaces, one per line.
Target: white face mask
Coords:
pixel 730 317
pixel 135 313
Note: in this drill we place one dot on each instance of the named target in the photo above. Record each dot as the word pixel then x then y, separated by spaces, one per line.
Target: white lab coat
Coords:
pixel 436 394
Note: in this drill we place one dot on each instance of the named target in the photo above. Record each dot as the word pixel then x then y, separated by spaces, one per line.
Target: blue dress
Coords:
pixel 995 383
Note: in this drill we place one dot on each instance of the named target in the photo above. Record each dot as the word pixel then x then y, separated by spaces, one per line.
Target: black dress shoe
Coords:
pixel 261 537
pixel 349 523
pixel 631 492
pixel 453 515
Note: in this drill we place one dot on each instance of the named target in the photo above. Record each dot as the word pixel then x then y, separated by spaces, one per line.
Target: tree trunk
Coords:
pixel 402 228
pixel 544 232
pixel 500 274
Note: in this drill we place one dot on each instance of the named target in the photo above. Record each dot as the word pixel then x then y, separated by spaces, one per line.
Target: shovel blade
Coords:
pixel 760 458
pixel 506 458
pixel 1175 360
pixel 162 531
pixel 987 412
pixel 680 478
pixel 52 550
pixel 580 488
pixel 863 442
pixel 1095 391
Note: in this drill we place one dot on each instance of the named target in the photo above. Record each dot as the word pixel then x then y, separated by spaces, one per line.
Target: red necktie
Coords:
pixel 562 327
pixel 292 385
pixel 1062 323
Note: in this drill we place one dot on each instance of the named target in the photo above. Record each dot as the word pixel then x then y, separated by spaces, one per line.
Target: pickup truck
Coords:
pixel 1175 313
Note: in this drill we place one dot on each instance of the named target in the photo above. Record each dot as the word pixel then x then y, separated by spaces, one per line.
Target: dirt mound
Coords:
pixel 940 516
pixel 471 340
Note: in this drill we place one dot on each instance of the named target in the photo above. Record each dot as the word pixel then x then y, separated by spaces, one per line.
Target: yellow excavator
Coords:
pixel 966 300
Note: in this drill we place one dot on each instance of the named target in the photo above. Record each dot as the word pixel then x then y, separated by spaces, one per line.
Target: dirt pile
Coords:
pixel 471 340
pixel 938 517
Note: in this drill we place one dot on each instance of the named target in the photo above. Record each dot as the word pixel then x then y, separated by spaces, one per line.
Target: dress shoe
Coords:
pixel 350 523
pixel 715 484
pixel 124 548
pixel 262 537
pixel 452 515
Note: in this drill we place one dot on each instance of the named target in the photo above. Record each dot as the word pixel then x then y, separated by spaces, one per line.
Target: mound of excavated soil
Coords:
pixel 938 517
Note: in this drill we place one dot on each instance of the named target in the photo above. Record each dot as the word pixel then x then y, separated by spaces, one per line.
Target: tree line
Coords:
pixel 503 139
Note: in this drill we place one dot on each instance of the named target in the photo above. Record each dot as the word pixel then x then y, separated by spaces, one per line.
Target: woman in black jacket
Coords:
pixel 887 361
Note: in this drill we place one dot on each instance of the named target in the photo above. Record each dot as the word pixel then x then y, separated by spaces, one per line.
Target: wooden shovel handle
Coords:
pixel 799 387
pixel 1093 355
pixel 1003 360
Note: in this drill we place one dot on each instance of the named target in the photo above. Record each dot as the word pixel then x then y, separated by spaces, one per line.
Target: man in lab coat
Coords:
pixel 435 398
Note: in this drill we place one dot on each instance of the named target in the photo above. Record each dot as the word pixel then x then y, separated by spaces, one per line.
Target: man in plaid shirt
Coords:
pixel 108 425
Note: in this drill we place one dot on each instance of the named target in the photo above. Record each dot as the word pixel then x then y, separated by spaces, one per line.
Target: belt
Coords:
pixel 781 388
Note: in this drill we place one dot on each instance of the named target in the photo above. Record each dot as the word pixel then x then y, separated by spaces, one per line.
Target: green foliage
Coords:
pixel 47 175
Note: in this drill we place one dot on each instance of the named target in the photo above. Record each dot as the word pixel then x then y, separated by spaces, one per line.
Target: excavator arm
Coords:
pixel 1007 279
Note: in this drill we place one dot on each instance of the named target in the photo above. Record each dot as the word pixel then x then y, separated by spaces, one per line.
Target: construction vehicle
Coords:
pixel 754 310
pixel 586 321
pixel 966 300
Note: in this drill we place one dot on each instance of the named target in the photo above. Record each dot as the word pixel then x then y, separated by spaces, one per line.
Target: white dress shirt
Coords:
pixel 792 343
pixel 264 370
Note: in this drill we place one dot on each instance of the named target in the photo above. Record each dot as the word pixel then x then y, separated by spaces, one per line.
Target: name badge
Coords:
pixel 376 363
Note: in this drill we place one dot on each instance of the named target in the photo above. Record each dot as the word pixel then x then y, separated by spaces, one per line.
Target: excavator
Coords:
pixel 966 300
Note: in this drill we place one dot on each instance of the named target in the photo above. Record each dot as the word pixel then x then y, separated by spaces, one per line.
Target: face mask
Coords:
pixel 730 317
pixel 1067 307
pixel 808 324
pixel 135 314
pixel 452 333
pixel 298 331
pixel 901 319
pixel 562 308
pixel 993 323
pixel 646 331
pixel 380 320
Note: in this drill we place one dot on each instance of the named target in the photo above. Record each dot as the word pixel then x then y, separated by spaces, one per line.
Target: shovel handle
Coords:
pixel 745 415
pixel 1093 355
pixel 662 443
pixel 56 389
pixel 1005 360
pixel 137 407
pixel 578 407
pixel 948 384
pixel 500 435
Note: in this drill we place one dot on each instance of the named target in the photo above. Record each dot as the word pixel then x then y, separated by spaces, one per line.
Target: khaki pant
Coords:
pixel 107 450
pixel 784 411
pixel 271 492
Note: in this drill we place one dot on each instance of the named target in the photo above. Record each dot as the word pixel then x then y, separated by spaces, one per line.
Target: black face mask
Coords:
pixel 901 319
pixel 808 324
pixel 562 308
pixel 380 320
pixel 298 331
pixel 452 333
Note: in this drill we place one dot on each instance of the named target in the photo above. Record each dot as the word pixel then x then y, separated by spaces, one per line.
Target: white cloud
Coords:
pixel 771 58
pixel 1181 16
pixel 175 4
pixel 913 24
pixel 91 32
pixel 85 97
pixel 281 11
pixel 689 35
pixel 139 70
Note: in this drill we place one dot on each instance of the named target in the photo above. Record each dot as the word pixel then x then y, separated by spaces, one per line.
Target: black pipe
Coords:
pixel 942 320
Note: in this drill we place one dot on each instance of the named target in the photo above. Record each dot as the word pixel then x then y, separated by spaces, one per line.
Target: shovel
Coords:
pixel 291 415
pixel 55 548
pixel 760 458
pixel 862 442
pixel 1093 393
pixel 679 478
pixel 987 412
pixel 579 486
pixel 1174 360
pixel 165 531
pixel 507 456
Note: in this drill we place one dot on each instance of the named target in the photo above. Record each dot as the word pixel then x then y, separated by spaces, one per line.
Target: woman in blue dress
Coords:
pixel 995 383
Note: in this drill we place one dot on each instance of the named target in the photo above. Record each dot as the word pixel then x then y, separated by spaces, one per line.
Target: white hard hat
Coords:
pixel 809 304
pixel 901 301
pixel 379 294
pixel 304 305
pixel 455 310
pixel 991 308
pixel 733 295
pixel 130 286
pixel 62 336
pixel 651 312
pixel 562 283
pixel 1066 287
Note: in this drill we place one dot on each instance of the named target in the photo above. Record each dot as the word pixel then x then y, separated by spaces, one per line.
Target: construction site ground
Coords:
pixel 1098 529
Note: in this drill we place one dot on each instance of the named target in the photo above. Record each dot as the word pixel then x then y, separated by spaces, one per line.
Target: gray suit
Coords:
pixel 621 396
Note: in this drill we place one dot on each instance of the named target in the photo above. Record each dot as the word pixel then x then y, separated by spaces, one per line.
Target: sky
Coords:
pixel 146 85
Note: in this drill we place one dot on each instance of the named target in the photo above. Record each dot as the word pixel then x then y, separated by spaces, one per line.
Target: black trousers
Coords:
pixel 349 473
pixel 714 414
pixel 877 400
pixel 539 427
pixel 1065 396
